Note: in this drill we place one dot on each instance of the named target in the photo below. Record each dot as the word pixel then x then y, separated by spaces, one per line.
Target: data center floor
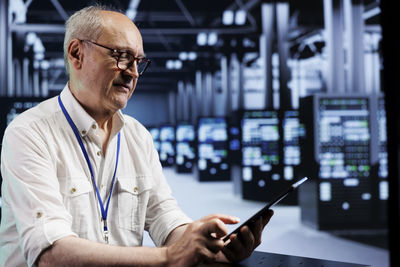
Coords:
pixel 284 234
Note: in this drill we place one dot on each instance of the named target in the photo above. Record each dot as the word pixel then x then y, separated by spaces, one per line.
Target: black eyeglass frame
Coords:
pixel 119 52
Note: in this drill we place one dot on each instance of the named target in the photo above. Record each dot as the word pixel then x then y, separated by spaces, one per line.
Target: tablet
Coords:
pixel 269 204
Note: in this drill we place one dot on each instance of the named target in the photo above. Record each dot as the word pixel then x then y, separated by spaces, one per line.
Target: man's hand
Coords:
pixel 201 241
pixel 240 246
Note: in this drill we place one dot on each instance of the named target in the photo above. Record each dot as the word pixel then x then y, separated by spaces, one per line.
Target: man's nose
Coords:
pixel 131 71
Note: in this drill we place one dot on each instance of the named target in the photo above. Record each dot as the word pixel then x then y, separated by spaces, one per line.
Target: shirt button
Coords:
pixel 38 214
pixel 99 153
pixel 73 190
pixel 94 126
pixel 135 189
pixel 83 132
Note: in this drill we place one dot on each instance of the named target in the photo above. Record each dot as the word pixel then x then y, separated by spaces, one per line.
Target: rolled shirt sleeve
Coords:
pixel 31 194
pixel 163 214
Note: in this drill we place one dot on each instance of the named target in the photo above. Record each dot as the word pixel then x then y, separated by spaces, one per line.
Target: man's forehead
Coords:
pixel 120 31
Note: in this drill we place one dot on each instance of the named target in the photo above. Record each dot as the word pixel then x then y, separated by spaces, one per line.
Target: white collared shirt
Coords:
pixel 47 189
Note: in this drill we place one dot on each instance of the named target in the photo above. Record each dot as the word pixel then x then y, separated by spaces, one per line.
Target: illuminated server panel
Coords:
pixel 185 147
pixel 155 134
pixel 380 161
pixel 212 149
pixel 336 156
pixel 292 130
pixel 9 109
pixel 382 153
pixel 167 145
pixel 261 169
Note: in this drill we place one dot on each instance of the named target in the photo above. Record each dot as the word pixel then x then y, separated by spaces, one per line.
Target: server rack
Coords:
pixel 261 168
pixel 212 149
pixel 167 145
pixel 336 155
pixel 185 147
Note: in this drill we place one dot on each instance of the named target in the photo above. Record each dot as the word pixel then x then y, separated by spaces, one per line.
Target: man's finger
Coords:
pixel 214 245
pixel 223 217
pixel 247 237
pixel 266 218
pixel 215 228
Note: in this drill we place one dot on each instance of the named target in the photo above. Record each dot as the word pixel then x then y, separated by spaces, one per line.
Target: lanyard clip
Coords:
pixel 105 231
pixel 106 236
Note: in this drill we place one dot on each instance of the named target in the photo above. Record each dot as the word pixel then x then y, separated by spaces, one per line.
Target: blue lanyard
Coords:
pixel 78 137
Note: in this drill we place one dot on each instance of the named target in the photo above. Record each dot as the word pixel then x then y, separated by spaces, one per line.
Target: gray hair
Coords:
pixel 84 24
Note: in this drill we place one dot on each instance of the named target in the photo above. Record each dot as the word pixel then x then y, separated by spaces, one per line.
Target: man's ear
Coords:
pixel 75 55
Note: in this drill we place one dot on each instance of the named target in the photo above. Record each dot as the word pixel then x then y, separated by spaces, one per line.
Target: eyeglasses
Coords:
pixel 125 60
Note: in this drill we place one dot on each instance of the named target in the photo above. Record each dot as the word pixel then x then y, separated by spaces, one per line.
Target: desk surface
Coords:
pixel 279 260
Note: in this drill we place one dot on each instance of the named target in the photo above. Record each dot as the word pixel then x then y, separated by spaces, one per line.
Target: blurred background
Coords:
pixel 242 98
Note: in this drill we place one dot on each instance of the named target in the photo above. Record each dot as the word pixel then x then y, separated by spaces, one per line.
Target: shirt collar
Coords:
pixel 82 120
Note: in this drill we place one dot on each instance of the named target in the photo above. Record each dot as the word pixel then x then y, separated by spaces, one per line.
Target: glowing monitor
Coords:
pixel 185 133
pixel 260 139
pixel 167 145
pixel 261 154
pixel 344 138
pixel 337 153
pixel 185 148
pixel 213 149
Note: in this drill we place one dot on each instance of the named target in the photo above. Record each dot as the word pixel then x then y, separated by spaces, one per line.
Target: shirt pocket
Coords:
pixel 76 197
pixel 133 196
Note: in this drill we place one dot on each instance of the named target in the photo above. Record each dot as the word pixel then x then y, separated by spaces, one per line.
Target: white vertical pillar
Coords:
pixel 179 101
pixel 172 107
pixel 335 80
pixel 234 76
pixel 354 30
pixel 36 85
pixel 209 88
pixel 5 67
pixel 26 88
pixel 377 64
pixel 282 23
pixel 266 38
pixel 241 84
pixel 17 78
pixel 187 105
pixel 194 105
pixel 45 82
pixel 199 93
pixel 226 84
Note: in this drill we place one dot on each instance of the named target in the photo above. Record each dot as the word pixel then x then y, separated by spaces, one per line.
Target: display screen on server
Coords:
pixel 382 154
pixel 342 195
pixel 291 135
pixel 292 132
pixel 213 148
pixel 344 138
pixel 383 171
pixel 185 150
pixel 261 154
pixel 260 140
pixel 167 145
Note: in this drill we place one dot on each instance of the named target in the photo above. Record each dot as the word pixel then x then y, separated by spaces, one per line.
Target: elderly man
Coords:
pixel 82 181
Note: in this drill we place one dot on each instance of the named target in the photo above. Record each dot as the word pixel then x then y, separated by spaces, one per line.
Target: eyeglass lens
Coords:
pixel 125 61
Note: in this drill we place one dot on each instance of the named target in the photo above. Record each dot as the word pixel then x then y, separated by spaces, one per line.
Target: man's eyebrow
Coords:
pixel 130 51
